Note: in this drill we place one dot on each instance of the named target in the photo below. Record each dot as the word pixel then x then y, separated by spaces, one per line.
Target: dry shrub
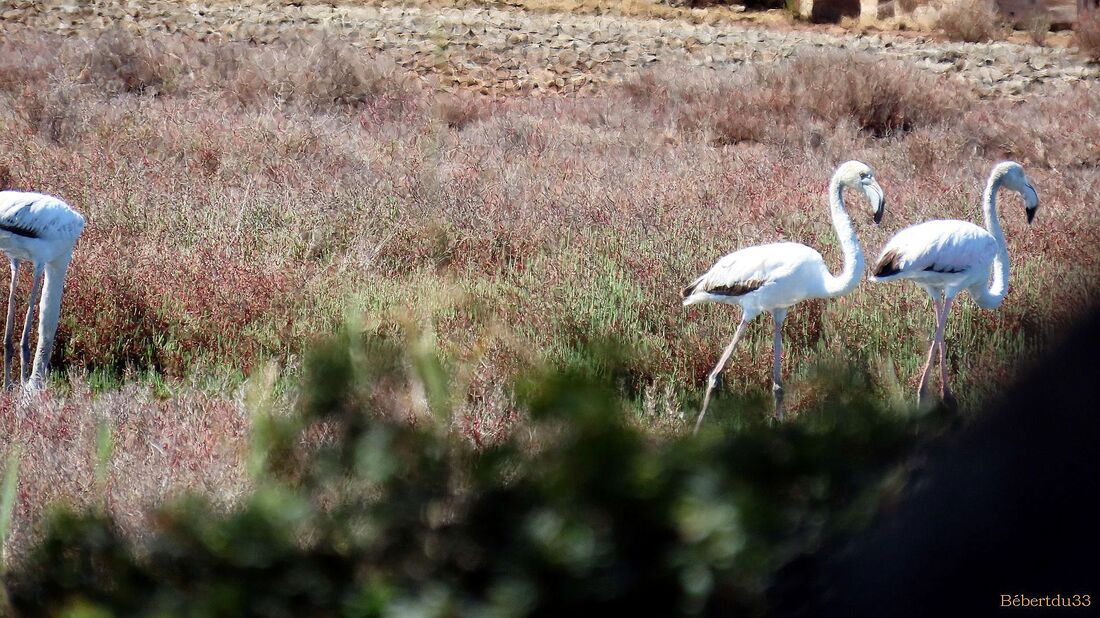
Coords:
pixel 118 331
pixel 879 98
pixel 972 21
pixel 325 73
pixel 158 308
pixel 781 103
pixel 56 110
pixel 1038 27
pixel 739 124
pixel 458 111
pixel 26 59
pixel 320 73
pixel 122 61
pixel 1086 34
pixel 1052 132
pixel 333 73
pixel 922 151
pixel 220 65
pixel 647 89
pixel 36 92
pixel 692 106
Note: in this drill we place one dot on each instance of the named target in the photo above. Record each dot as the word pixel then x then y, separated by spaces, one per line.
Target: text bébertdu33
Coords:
pixel 1057 600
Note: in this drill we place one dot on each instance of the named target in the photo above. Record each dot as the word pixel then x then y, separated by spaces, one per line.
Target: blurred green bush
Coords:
pixel 581 510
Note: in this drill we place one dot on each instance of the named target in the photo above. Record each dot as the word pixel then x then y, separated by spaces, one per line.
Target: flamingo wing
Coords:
pixel 746 271
pixel 941 246
pixel 34 215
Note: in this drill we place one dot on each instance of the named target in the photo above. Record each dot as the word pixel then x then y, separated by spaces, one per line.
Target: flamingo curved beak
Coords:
pixel 1031 202
pixel 877 198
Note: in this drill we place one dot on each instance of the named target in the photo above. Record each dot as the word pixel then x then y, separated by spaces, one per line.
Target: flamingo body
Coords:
pixel 34 226
pixel 762 278
pixel 40 229
pixel 943 254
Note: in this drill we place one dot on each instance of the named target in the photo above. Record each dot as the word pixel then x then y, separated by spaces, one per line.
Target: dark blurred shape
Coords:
pixel 589 514
pixel 1006 507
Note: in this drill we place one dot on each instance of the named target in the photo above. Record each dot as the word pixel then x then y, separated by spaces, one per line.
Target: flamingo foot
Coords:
pixel 714 380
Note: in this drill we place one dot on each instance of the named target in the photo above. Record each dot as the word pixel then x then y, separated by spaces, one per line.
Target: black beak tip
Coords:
pixel 878 215
pixel 1030 215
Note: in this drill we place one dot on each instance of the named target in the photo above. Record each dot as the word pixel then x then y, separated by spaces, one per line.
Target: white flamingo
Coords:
pixel 775 276
pixel 946 256
pixel 42 230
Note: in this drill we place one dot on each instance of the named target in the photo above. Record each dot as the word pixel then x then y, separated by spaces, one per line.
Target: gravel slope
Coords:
pixel 502 50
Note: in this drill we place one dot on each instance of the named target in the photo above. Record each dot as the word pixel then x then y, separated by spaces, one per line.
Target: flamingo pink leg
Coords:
pixel 948 397
pixel 25 341
pixel 9 326
pixel 712 381
pixel 923 388
pixel 48 313
pixel 777 369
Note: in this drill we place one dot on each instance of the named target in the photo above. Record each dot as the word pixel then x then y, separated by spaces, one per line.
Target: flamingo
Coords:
pixel 946 256
pixel 775 276
pixel 42 230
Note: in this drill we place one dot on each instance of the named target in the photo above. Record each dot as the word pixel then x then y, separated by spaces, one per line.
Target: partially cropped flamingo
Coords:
pixel 946 256
pixel 42 230
pixel 775 276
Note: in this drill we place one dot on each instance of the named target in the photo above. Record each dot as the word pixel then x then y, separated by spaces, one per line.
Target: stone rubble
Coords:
pixel 500 51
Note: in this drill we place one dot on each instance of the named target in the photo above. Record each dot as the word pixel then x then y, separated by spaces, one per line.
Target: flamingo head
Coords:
pixel 1014 179
pixel 858 175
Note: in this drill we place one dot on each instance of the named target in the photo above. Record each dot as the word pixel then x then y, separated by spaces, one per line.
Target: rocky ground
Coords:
pixel 506 50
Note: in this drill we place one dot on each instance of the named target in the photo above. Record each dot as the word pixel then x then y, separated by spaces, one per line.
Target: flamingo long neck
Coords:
pixel 853 255
pixel 991 297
